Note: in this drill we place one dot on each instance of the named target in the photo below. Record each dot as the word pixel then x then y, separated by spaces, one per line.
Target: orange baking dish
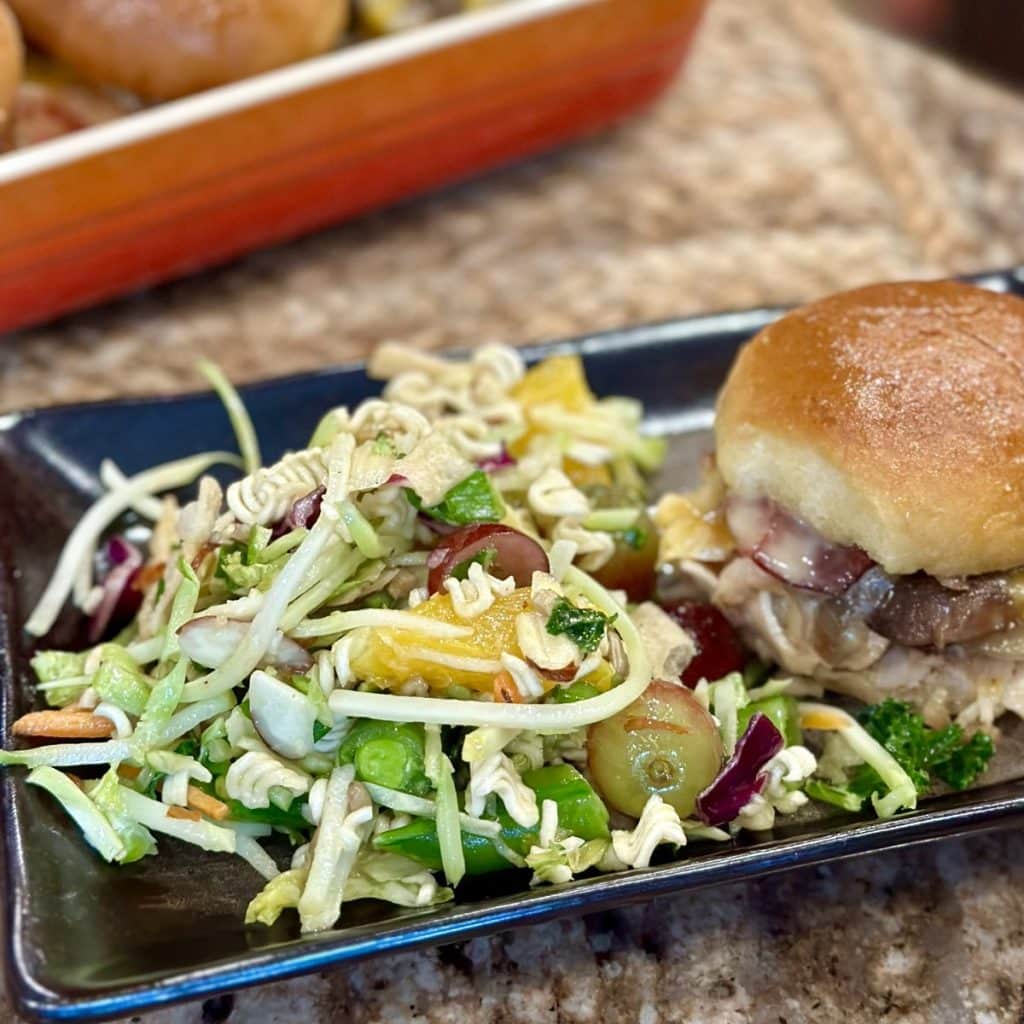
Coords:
pixel 185 185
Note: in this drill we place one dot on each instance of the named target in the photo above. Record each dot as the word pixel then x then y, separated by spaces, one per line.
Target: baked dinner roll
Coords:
pixel 161 49
pixel 891 418
pixel 11 62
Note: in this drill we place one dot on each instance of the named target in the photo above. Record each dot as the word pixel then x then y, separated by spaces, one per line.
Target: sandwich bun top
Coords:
pixel 890 417
pixel 11 65
pixel 162 49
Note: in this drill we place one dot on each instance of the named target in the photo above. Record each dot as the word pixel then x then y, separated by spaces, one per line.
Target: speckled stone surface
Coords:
pixel 798 155
pixel 930 935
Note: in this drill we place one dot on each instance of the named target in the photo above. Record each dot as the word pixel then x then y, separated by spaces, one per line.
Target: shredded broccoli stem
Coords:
pixel 333 854
pixel 421 807
pixel 282 546
pixel 63 755
pixel 449 834
pixel 337 570
pixel 189 717
pixel 481 743
pixel 258 859
pixel 248 445
pixel 263 627
pixel 382 618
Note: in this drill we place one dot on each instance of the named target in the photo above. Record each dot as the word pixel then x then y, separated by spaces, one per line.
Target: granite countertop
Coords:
pixel 799 154
pixel 926 935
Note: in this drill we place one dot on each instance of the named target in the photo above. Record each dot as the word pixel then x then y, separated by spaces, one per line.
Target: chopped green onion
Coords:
pixel 389 754
pixel 612 520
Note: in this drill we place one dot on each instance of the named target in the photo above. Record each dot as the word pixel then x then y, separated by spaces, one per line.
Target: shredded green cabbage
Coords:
pixel 727 696
pixel 98 831
pixel 138 841
pixel 182 609
pixel 60 667
pixel 279 894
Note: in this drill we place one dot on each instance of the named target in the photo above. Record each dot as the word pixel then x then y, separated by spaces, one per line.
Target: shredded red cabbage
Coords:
pixel 436 526
pixel 305 511
pixel 741 778
pixel 500 461
pixel 120 599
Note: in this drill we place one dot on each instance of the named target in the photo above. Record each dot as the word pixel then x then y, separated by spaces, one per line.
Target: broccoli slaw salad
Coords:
pixel 435 643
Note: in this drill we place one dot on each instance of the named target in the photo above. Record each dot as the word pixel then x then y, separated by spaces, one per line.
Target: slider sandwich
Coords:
pixel 862 523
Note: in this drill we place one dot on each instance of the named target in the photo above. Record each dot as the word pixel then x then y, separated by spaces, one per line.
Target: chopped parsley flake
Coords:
pixel 584 626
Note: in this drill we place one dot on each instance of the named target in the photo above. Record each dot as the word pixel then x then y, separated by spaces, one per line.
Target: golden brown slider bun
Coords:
pixel 161 49
pixel 892 418
pixel 12 58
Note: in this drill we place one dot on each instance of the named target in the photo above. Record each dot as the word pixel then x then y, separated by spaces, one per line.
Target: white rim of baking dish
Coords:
pixel 346 62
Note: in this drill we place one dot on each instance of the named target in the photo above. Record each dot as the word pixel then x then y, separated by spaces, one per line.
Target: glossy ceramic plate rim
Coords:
pixel 344 62
pixel 983 809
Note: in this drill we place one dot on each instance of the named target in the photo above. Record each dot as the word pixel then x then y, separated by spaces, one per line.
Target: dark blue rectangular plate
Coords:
pixel 88 941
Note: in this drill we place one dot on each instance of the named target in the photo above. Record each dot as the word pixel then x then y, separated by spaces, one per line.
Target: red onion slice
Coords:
pixel 740 779
pixel 515 554
pixel 791 550
pixel 120 599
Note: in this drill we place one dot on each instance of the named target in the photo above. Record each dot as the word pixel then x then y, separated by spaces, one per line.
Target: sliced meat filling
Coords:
pixel 921 611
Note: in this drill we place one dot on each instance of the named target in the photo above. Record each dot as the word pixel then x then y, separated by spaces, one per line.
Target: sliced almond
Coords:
pixel 212 639
pixel 64 724
pixel 505 689
pixel 208 805
pixel 823 719
pixel 185 813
